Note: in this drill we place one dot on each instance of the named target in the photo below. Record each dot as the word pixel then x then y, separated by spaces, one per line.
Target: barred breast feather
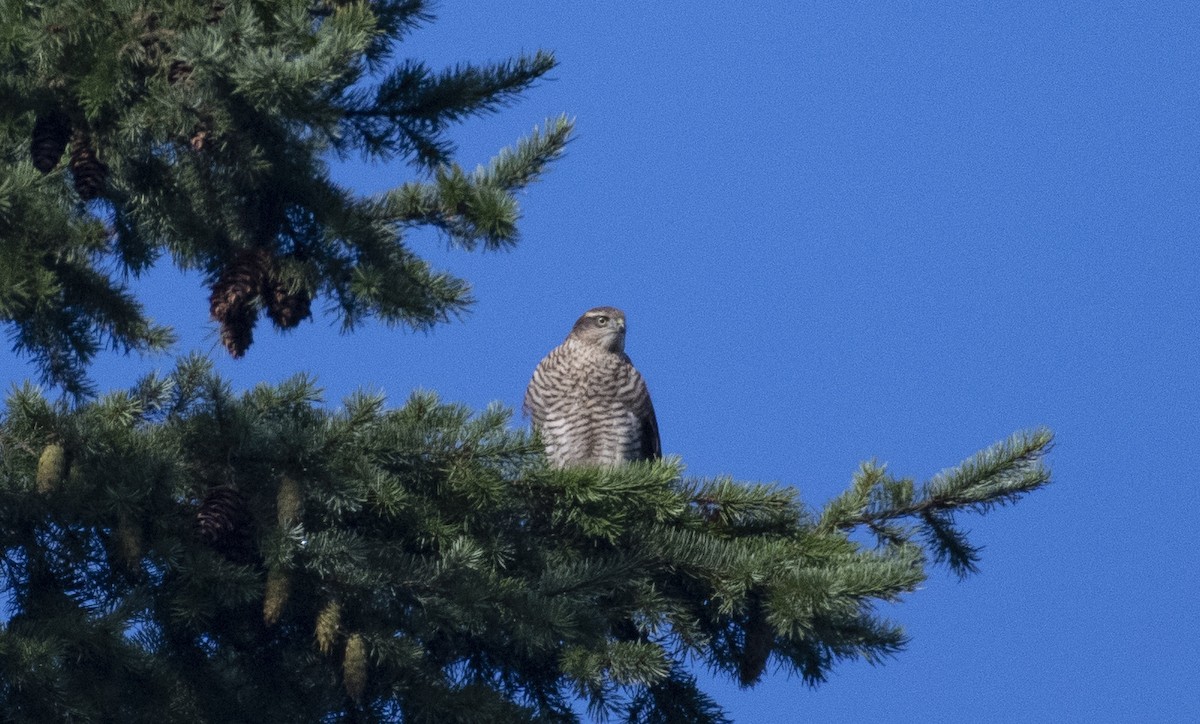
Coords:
pixel 591 407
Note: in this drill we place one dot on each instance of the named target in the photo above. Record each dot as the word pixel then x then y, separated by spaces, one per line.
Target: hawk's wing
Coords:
pixel 649 444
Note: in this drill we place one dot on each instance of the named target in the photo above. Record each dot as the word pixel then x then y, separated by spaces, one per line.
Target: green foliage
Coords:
pixel 182 553
pixel 205 129
pixel 425 563
pixel 62 305
pixel 896 512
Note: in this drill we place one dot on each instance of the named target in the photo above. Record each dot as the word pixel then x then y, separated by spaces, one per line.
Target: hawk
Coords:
pixel 588 402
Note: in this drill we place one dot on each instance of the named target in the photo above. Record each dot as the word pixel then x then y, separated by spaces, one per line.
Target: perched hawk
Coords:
pixel 588 402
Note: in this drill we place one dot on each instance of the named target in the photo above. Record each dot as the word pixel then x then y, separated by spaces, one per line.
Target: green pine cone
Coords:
pixel 129 542
pixel 354 667
pixel 328 622
pixel 279 585
pixel 52 467
pixel 287 502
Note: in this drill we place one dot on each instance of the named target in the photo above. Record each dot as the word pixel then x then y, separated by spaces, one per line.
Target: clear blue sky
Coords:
pixel 854 230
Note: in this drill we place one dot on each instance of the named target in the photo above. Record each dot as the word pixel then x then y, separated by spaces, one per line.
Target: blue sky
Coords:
pixel 857 230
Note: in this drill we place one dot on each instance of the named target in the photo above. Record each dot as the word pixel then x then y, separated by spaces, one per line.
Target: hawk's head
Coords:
pixel 602 327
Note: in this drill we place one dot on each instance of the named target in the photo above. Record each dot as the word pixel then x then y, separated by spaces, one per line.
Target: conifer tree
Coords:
pixel 180 552
pixel 202 130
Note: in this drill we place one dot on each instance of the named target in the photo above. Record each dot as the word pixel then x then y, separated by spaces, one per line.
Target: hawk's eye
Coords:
pixel 601 321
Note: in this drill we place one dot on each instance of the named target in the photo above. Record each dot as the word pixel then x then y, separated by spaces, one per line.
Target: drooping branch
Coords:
pixel 895 511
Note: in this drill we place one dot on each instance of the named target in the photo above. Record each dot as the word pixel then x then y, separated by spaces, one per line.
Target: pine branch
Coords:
pixel 676 699
pixel 305 70
pixel 479 207
pixel 422 561
pixel 203 132
pixel 517 167
pixel 999 475
pixel 454 94
pixel 413 105
pixel 745 509
pixel 950 545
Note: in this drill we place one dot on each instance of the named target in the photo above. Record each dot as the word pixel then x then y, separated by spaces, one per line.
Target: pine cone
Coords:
pixel 354 667
pixel 201 133
pixel 220 512
pixel 215 12
pixel 287 309
pixel 128 536
pixel 52 467
pixel 75 477
pixel 51 132
pixel 287 502
pixel 279 585
pixel 237 330
pixel 233 302
pixel 87 169
pixel 199 139
pixel 179 71
pixel 328 622
pixel 223 522
pixel 242 279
